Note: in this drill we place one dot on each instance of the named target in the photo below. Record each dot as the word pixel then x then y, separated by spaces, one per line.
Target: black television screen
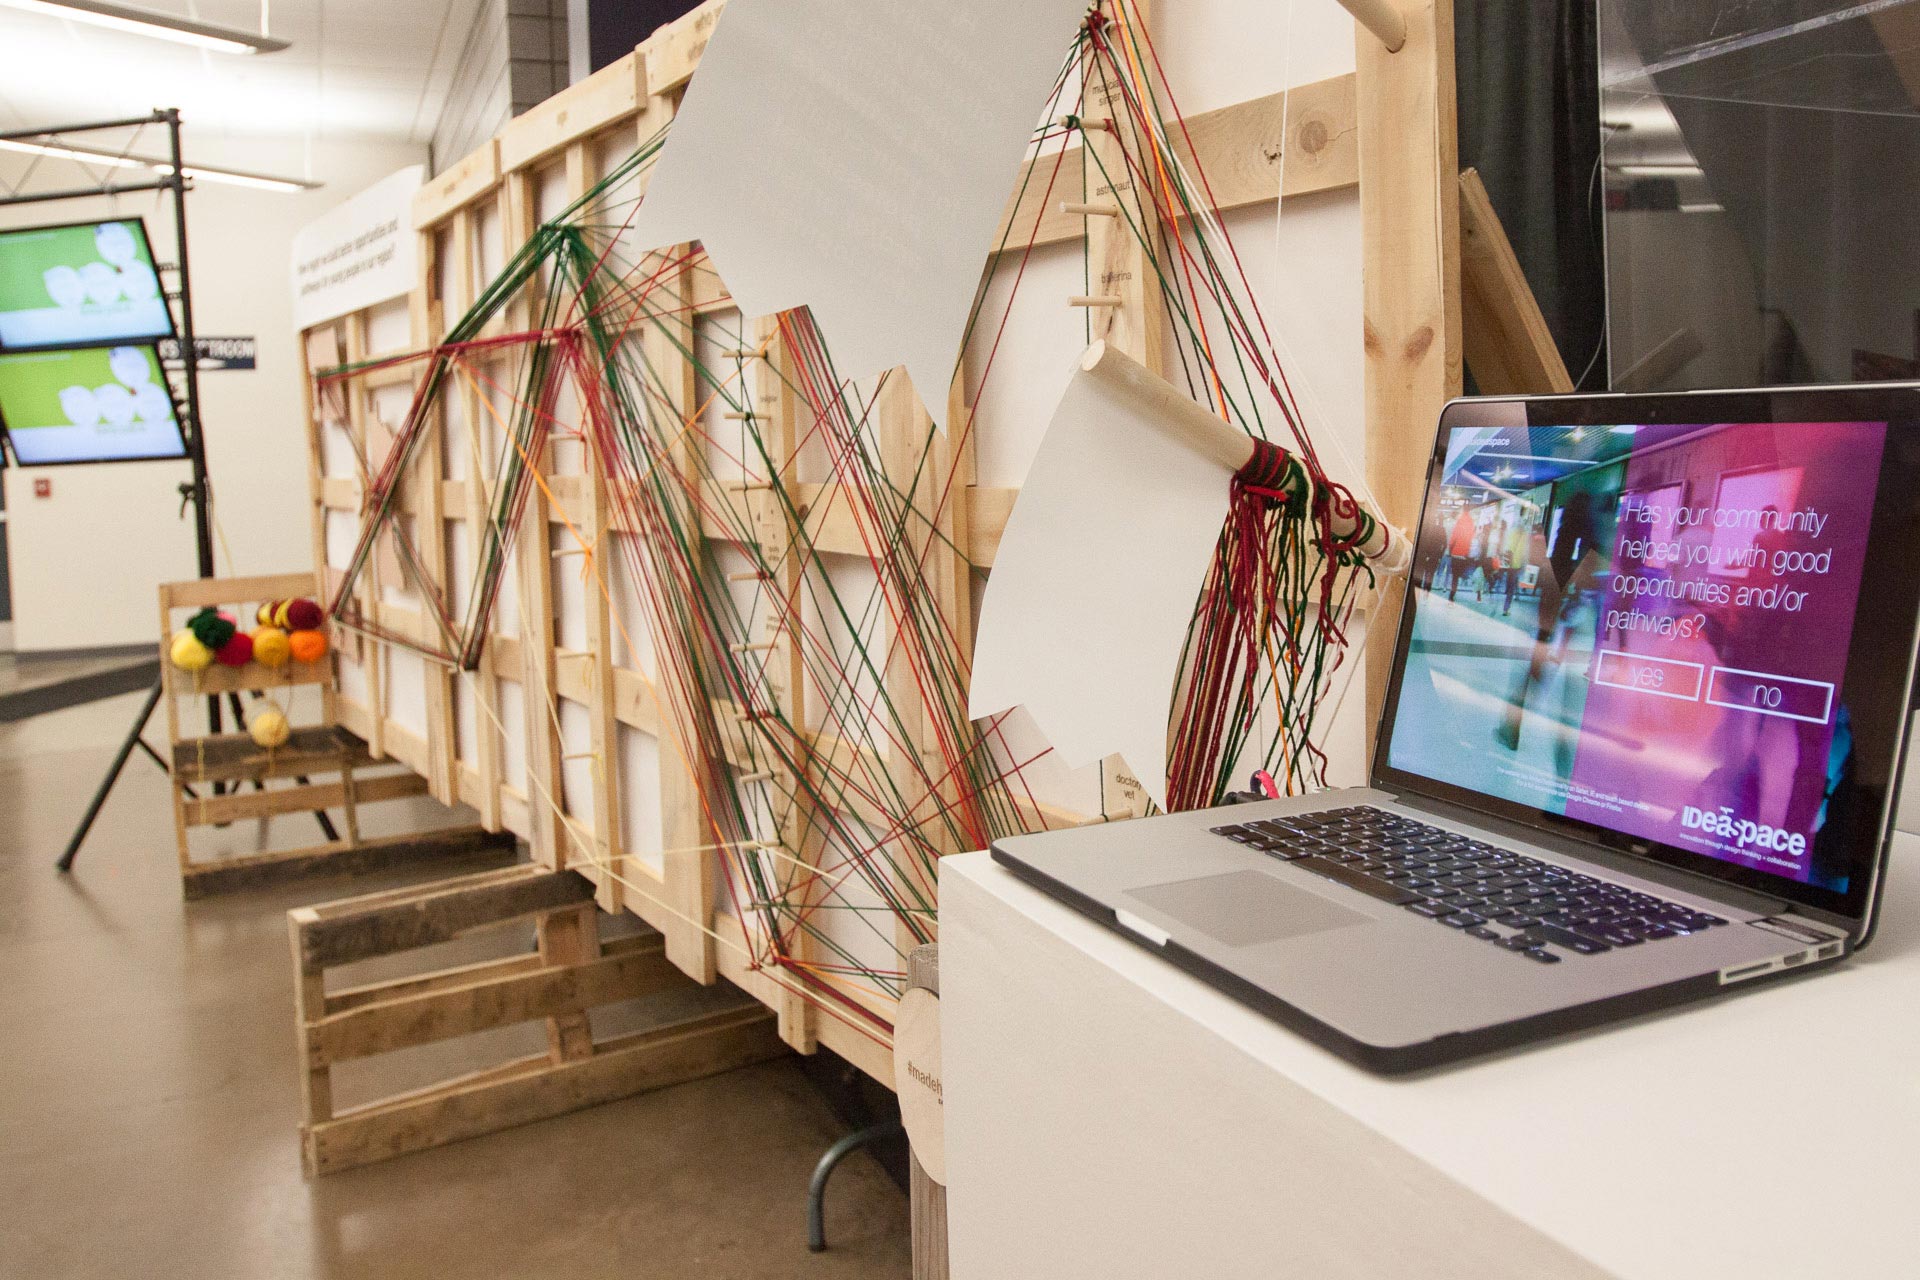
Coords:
pixel 80 284
pixel 95 404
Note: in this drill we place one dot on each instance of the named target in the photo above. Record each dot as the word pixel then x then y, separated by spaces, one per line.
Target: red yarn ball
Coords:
pixel 305 615
pixel 237 652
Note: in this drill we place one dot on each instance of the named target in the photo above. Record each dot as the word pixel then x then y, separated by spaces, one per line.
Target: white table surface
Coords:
pixel 1770 1133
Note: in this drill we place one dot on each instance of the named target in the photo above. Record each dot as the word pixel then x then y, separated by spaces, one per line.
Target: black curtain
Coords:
pixel 1530 123
pixel 613 27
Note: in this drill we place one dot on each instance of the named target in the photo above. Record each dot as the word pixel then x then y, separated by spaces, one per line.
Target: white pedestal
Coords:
pixel 1108 1117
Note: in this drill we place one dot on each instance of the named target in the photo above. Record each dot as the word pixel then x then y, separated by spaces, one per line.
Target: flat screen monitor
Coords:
pixel 86 283
pixel 95 404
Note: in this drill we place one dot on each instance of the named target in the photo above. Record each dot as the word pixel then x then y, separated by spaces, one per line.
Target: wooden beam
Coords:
pixel 1410 238
pixel 439 913
pixel 447 193
pixel 263 870
pixel 1240 148
pixel 1508 345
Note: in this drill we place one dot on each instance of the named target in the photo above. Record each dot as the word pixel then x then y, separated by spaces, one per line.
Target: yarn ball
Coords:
pixel 188 653
pixel 269 727
pixel 308 646
pixel 271 647
pixel 279 619
pixel 263 616
pixel 210 629
pixel 236 652
pixel 305 615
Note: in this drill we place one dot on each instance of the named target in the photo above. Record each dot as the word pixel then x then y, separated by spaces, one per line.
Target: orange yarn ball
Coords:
pixel 308 646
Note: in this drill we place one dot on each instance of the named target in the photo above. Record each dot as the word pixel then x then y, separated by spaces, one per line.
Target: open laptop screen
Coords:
pixel 1650 629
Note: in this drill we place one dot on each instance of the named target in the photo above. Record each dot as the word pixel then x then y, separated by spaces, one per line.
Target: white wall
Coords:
pixel 86 560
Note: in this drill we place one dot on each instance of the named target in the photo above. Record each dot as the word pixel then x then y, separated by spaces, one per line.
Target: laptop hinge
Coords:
pixel 1798 930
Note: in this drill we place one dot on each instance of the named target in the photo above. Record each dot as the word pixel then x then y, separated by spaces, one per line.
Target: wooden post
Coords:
pixel 1410 245
pixel 1121 269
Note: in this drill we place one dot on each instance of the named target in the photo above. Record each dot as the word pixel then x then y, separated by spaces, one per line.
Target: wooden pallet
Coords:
pixel 219 779
pixel 568 972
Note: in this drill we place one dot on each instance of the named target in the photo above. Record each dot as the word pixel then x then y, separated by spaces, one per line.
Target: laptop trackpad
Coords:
pixel 1246 908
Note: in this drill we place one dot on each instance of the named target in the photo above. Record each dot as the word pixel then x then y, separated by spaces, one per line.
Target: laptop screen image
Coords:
pixel 1650 631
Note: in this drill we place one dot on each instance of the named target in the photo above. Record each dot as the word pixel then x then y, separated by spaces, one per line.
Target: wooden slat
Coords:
pixel 213 592
pixel 259 871
pixel 439 913
pixel 252 678
pixel 235 756
pixel 535 1089
pixel 236 806
pixel 607 97
pixel 1239 148
pixel 404 1020
pixel 674 50
pixel 467 181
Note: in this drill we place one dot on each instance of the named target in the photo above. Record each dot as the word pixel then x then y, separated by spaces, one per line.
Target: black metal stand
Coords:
pixel 817 1189
pixel 113 774
pixel 198 492
pixel 136 737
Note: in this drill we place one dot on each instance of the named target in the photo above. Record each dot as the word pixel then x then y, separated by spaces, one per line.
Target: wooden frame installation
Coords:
pixel 486 738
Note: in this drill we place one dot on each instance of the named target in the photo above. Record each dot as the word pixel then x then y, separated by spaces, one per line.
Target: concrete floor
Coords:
pixel 148 1098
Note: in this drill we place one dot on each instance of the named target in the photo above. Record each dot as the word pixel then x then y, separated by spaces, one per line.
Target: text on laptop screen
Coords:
pixel 1646 628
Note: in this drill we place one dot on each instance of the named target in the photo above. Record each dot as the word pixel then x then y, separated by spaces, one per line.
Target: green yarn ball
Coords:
pixel 211 629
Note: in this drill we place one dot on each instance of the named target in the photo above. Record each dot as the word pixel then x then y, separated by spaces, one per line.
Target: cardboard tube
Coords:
pixel 1176 413
pixel 1383 18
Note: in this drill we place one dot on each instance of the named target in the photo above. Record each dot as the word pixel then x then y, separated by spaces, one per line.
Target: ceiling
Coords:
pixel 357 69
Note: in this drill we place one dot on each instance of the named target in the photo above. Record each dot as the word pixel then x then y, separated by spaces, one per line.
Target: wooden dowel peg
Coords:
pixel 755 576
pixel 1090 210
pixel 732 416
pixel 1099 300
pixel 582 755
pixel 762 776
pixel 1081 122
pixel 564 552
pixel 756 646
pixel 746 485
pixel 1382 17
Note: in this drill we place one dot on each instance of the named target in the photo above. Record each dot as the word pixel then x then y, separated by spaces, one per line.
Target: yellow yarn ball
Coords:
pixel 269 727
pixel 271 648
pixel 188 654
pixel 280 608
pixel 263 616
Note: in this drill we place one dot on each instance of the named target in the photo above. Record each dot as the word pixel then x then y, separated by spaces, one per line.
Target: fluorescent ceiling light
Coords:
pixel 59 152
pixel 143 22
pixel 113 160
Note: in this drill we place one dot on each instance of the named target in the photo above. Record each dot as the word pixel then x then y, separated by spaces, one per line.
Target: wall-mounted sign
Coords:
pixel 364 252
pixel 215 353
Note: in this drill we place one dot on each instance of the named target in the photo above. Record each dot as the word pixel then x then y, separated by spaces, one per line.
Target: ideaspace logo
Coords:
pixel 1743 832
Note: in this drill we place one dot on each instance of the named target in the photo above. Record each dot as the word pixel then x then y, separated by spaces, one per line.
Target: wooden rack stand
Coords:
pixel 201 766
pixel 569 972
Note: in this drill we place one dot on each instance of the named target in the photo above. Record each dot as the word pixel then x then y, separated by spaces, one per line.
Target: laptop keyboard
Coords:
pixel 1521 904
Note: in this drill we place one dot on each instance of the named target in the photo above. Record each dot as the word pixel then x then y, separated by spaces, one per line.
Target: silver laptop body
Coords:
pixel 1632 795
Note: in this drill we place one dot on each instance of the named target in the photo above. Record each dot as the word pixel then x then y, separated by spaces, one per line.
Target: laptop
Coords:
pixel 1640 746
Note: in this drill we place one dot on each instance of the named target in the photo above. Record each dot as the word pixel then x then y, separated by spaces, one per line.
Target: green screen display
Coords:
pixel 103 404
pixel 91 283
